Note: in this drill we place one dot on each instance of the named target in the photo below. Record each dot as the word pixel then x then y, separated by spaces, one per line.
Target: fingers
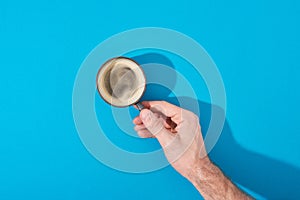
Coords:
pixel 167 109
pixel 139 127
pixel 155 125
pixel 167 125
pixel 137 120
pixel 142 131
pixel 160 119
pixel 145 134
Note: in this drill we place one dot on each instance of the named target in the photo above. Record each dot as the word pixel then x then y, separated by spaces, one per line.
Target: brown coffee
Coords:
pixel 121 81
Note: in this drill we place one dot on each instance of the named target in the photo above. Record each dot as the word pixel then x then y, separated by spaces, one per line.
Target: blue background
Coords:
pixel 42 44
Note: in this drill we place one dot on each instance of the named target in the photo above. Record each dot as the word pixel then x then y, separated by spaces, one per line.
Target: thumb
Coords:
pixel 153 123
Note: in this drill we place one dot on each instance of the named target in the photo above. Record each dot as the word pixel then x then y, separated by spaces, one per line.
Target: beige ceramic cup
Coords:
pixel 121 82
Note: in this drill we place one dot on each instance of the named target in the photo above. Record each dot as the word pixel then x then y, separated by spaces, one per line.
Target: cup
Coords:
pixel 121 82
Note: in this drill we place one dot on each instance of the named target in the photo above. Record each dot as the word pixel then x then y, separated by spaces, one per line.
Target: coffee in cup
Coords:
pixel 121 82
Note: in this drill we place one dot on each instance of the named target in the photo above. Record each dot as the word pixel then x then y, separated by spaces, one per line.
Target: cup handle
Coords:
pixel 140 106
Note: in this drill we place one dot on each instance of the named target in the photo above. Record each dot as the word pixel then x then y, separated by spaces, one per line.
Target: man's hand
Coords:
pixel 179 133
pixel 183 145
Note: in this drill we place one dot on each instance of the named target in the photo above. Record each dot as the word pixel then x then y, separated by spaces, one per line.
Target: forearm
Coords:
pixel 212 183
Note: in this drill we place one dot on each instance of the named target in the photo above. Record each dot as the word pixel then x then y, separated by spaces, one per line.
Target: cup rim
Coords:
pixel 101 68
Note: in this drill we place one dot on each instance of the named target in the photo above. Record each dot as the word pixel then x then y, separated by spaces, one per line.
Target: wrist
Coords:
pixel 198 171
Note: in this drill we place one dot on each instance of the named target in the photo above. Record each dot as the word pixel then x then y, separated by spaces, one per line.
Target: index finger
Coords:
pixel 167 109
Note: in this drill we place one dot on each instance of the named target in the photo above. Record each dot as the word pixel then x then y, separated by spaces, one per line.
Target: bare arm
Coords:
pixel 184 148
pixel 212 183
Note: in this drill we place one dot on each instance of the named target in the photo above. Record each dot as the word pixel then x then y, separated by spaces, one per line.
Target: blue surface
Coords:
pixel 254 44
